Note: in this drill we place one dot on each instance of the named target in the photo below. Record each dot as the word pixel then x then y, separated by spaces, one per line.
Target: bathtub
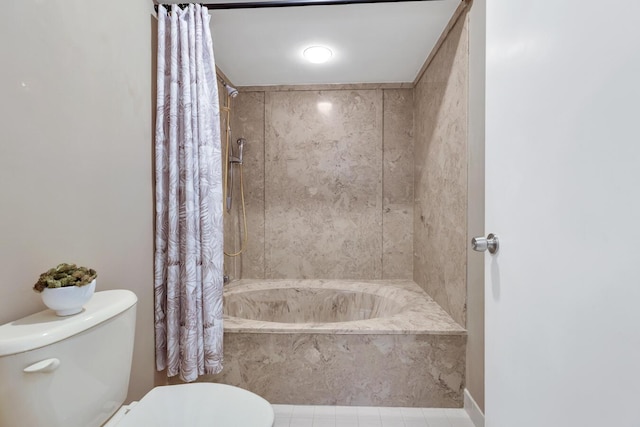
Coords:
pixel 338 342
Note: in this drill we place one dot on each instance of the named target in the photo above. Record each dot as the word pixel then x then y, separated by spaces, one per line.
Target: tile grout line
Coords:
pixel 382 217
pixel 264 185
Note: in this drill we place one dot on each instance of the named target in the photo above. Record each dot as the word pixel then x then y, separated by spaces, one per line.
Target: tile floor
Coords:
pixel 361 416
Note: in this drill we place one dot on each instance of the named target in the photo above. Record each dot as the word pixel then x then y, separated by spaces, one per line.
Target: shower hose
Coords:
pixel 227 162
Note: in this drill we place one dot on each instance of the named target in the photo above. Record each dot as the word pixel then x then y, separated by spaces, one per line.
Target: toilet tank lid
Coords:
pixel 44 328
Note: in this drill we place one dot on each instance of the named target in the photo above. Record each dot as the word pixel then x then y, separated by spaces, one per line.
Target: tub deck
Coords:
pixel 415 356
pixel 420 313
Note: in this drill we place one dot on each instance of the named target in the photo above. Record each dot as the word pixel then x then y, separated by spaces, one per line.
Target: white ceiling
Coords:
pixel 371 43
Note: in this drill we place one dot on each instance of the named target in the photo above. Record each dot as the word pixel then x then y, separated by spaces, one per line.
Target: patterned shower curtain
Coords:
pixel 188 236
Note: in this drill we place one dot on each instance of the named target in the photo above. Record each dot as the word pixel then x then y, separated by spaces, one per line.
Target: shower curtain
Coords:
pixel 188 237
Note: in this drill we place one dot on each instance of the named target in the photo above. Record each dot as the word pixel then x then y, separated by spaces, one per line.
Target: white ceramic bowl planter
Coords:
pixel 69 299
pixel 65 288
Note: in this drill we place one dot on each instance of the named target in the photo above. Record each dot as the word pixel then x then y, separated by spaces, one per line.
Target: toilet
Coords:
pixel 74 372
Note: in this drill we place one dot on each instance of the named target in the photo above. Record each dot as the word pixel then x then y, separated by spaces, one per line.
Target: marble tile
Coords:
pixel 315 305
pixel 248 122
pixel 233 230
pixel 395 244
pixel 440 180
pixel 398 146
pixel 230 220
pixel 329 369
pixel 397 241
pixel 397 192
pixel 323 184
pixel 334 306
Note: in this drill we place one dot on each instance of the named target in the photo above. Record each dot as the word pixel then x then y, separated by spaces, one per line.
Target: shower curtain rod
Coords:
pixel 288 3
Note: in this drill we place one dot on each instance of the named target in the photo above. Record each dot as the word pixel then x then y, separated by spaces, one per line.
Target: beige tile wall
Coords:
pixel 231 234
pixel 397 192
pixel 323 186
pixel 327 183
pixel 440 210
pixel 247 121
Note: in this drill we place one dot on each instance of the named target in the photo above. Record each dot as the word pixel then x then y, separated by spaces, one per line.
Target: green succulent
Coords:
pixel 65 275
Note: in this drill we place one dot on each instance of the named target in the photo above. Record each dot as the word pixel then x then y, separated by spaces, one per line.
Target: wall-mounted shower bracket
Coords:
pixel 234 160
pixel 240 142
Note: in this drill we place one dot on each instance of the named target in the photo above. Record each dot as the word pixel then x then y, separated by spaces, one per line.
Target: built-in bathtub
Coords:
pixel 337 342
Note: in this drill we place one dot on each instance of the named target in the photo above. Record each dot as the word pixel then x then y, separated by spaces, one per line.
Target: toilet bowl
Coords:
pixel 74 372
pixel 196 405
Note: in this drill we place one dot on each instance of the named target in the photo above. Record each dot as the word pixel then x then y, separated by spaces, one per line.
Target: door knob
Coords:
pixel 481 244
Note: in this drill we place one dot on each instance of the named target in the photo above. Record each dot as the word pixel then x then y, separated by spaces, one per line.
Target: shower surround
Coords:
pixel 356 182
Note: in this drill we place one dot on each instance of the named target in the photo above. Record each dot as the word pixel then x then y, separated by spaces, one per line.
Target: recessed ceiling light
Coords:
pixel 317 54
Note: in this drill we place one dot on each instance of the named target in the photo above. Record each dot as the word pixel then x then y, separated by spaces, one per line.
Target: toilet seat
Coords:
pixel 198 405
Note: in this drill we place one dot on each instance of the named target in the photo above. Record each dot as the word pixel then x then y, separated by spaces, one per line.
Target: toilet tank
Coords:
pixel 67 371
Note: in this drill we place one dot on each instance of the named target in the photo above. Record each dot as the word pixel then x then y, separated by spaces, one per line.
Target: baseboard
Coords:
pixel 472 408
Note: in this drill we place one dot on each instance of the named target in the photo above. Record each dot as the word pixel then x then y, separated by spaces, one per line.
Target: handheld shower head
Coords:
pixel 232 91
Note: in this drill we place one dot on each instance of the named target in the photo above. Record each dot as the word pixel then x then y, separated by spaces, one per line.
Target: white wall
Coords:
pixel 75 153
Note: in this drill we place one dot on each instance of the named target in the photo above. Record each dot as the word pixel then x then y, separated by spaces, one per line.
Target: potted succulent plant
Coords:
pixel 66 288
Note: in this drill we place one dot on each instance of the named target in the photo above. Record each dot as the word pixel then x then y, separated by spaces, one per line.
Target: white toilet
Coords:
pixel 74 372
